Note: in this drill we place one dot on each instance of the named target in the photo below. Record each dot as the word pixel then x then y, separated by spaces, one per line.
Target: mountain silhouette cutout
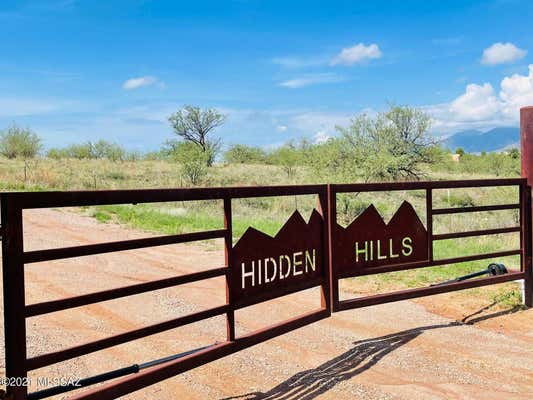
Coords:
pixel 295 236
pixel 369 242
pixel 369 217
pixel 294 232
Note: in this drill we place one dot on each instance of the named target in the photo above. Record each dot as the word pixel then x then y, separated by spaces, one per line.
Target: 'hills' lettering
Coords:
pixel 369 242
pixel 371 250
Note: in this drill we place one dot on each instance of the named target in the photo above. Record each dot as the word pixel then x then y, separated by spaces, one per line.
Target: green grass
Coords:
pixel 102 216
pixel 147 218
pixel 509 297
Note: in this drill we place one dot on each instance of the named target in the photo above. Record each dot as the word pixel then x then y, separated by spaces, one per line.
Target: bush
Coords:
pixel 193 161
pixel 56 154
pixel 242 154
pixel 105 149
pixel 19 142
pixel 288 157
pixel 99 150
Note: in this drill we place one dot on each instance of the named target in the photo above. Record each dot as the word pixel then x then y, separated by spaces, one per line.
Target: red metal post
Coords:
pixel 526 144
pixel 429 221
pixel 14 300
pixel 528 264
pixel 332 228
pixel 228 246
pixel 326 284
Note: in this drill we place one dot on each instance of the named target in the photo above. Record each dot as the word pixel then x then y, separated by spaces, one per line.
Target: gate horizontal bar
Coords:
pixel 87 348
pixel 475 257
pixel 426 291
pixel 457 210
pixel 26 200
pixel 484 232
pixel 99 248
pixel 426 263
pixel 106 376
pixel 386 186
pixel 33 310
pixel 159 373
pixel 279 292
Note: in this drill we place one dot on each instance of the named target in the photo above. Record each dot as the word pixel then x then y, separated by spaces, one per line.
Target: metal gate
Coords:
pixel 422 239
pixel 257 268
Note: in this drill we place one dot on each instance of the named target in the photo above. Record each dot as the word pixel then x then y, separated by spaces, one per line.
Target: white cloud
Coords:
pixel 135 83
pixel 311 79
pixel 478 102
pixel 480 107
pixel 281 128
pixel 357 54
pixel 318 121
pixel 299 62
pixel 321 137
pixel 502 53
pixel 516 91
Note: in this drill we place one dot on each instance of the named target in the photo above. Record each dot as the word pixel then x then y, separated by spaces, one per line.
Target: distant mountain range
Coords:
pixel 474 141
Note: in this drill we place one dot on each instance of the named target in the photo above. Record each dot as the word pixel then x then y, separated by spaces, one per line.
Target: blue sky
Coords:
pixel 76 70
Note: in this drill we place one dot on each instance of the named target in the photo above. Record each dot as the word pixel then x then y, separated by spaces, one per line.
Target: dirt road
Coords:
pixel 393 351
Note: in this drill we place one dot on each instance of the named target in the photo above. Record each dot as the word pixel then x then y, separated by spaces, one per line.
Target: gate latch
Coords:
pixel 493 269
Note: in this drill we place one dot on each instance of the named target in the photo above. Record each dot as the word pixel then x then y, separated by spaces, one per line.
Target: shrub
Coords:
pixel 288 157
pixel 98 150
pixel 19 142
pixel 242 154
pixel 193 161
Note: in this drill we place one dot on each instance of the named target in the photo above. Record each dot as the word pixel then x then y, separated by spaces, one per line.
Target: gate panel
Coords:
pixel 370 246
pixel 294 260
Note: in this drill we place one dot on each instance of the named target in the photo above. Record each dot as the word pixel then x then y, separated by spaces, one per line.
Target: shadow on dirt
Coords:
pixel 468 321
pixel 310 384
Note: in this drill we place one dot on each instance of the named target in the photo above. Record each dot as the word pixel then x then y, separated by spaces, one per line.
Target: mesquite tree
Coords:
pixel 193 124
pixel 390 146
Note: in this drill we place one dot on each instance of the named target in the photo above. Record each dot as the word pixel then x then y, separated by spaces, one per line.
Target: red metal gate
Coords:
pixel 16 311
pixel 258 267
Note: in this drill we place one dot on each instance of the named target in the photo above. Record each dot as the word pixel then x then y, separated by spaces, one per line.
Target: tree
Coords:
pixel 460 151
pixel 331 161
pixel 194 124
pixel 514 153
pixel 241 154
pixel 19 142
pixel 288 157
pixel 390 146
pixel 193 161
pixel 104 149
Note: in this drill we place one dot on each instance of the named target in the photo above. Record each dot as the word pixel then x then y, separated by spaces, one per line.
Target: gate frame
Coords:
pixel 14 258
pixel 17 311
